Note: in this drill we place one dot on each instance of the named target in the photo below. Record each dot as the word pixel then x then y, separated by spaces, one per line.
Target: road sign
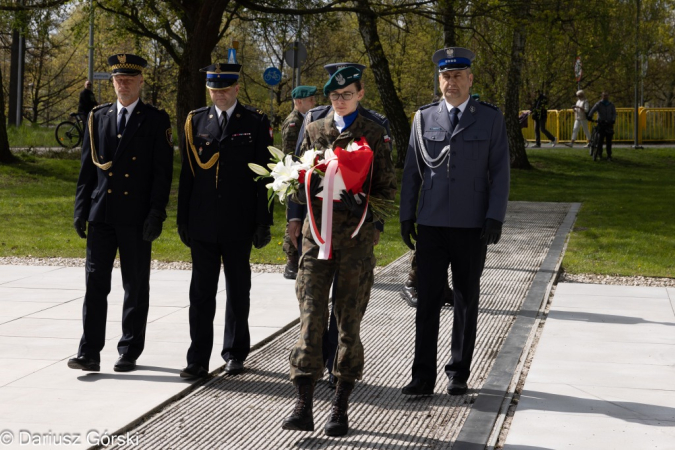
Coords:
pixel 272 76
pixel 289 55
pixel 232 56
pixel 101 76
pixel 577 68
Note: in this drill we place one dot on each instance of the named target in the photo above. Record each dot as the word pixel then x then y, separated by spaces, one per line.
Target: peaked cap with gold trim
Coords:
pixel 126 64
pixel 221 76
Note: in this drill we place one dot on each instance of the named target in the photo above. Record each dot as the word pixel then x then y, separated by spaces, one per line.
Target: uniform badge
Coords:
pixel 450 52
pixel 291 124
pixel 169 137
pixel 200 151
pixel 238 116
pixel 210 116
pixel 472 109
pixel 340 79
pixel 122 58
pixel 217 67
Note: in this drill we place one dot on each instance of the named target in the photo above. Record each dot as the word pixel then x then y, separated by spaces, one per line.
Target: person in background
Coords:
pixel 87 101
pixel 539 115
pixel 581 109
pixel 606 118
pixel 303 101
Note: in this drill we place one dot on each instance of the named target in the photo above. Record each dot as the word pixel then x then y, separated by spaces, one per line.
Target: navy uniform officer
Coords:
pixel 122 191
pixel 458 155
pixel 222 210
pixel 296 212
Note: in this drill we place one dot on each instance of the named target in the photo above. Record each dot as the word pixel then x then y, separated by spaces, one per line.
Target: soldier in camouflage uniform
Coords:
pixel 352 263
pixel 303 101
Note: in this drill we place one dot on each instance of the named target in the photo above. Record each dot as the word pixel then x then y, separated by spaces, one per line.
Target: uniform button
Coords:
pixel 110 174
pixel 126 175
pixel 133 159
pixel 109 191
pixel 126 193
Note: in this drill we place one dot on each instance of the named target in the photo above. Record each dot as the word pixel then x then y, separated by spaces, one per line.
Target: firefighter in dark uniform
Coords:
pixel 122 191
pixel 303 101
pixel 222 211
pixel 455 188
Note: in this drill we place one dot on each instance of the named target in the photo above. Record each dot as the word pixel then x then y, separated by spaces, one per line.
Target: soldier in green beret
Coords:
pixel 303 101
pixel 350 266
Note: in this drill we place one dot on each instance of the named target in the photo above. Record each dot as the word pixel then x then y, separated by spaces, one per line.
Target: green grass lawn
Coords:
pixel 626 225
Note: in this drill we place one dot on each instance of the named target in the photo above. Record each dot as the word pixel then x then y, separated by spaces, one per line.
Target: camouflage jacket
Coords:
pixel 290 130
pixel 322 134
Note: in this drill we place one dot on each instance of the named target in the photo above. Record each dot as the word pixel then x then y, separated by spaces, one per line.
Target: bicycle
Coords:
pixel 68 133
pixel 594 142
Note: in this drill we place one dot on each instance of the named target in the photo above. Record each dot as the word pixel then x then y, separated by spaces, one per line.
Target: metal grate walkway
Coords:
pixel 245 412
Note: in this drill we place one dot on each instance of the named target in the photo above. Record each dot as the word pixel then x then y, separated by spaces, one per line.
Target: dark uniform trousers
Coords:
pixel 103 241
pixel 464 251
pixel 206 259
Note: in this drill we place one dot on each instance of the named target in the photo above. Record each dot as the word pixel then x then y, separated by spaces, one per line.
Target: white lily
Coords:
pixel 260 170
pixel 285 170
pixel 307 159
pixel 276 153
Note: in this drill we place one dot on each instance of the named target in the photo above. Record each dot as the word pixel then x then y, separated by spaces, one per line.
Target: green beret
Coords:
pixel 341 79
pixel 303 92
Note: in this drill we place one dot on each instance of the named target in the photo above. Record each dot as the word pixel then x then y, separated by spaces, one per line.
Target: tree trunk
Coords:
pixel 393 108
pixel 6 156
pixel 511 105
pixel 202 27
pixel 447 12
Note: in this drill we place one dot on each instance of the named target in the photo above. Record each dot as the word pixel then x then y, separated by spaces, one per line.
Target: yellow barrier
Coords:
pixel 655 125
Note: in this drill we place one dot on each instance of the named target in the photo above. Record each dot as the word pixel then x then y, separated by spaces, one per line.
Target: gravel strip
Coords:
pixel 156 265
pixel 589 278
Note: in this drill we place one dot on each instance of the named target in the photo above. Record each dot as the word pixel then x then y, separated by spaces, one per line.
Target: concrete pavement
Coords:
pixel 603 373
pixel 44 403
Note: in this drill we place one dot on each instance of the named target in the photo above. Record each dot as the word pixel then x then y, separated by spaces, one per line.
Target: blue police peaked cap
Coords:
pixel 334 67
pixel 221 76
pixel 126 64
pixel 453 58
pixel 341 79
pixel 303 92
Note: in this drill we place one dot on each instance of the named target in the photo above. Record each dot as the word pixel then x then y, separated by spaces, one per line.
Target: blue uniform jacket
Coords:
pixel 139 178
pixel 470 186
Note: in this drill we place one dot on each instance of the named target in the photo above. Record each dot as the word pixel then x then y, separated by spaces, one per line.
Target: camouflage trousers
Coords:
pixel 288 247
pixel 351 269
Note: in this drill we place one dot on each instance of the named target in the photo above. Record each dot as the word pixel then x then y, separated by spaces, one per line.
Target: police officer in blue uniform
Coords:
pixel 455 188
pixel 296 212
pixel 122 191
pixel 222 211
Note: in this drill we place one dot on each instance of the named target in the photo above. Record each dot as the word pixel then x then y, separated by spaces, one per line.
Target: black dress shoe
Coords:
pixel 194 371
pixel 418 387
pixel 84 363
pixel 457 386
pixel 234 367
pixel 409 294
pixel 125 364
pixel 291 270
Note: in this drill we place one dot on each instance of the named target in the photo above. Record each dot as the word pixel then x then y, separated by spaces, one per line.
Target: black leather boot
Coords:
pixel 301 419
pixel 338 423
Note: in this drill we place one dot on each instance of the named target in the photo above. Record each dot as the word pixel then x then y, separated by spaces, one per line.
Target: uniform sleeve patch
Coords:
pixel 271 133
pixel 387 138
pixel 291 124
pixel 169 137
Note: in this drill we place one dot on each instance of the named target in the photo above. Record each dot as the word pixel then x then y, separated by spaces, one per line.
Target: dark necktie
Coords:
pixel 223 123
pixel 123 122
pixel 454 118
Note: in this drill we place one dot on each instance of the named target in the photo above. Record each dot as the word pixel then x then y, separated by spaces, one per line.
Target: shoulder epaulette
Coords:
pixel 254 109
pixel 105 105
pixel 428 106
pixel 489 105
pixel 377 114
pixel 319 108
pixel 202 109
